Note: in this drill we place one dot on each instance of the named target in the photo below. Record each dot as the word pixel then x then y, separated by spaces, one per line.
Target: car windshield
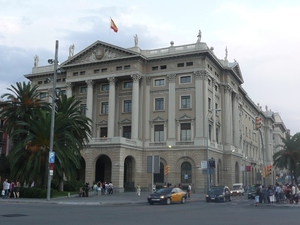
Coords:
pixel 252 189
pixel 236 187
pixel 216 190
pixel 164 191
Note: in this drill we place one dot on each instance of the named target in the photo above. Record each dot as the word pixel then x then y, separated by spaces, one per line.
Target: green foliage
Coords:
pixel 34 193
pixel 288 156
pixel 73 185
pixel 28 122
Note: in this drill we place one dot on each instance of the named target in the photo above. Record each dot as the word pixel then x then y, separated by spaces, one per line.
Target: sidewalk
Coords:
pixel 93 199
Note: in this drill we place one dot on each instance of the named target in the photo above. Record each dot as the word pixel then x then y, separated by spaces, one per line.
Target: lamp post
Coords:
pixel 207 155
pixel 55 62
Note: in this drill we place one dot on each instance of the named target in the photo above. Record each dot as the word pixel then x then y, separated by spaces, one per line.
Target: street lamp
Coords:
pixel 55 62
pixel 207 155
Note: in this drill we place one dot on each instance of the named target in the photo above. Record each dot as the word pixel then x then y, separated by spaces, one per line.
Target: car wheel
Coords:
pixel 183 200
pixel 168 201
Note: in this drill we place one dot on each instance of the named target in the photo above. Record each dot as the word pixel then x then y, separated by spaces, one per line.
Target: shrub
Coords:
pixel 34 192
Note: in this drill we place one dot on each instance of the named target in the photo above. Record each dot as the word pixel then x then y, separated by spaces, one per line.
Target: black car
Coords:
pixel 218 194
pixel 167 196
pixel 251 193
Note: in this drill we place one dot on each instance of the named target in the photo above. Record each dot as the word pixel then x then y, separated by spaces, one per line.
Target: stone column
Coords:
pixel 227 113
pixel 171 110
pixel 201 77
pixel 69 89
pixel 236 131
pixel 147 109
pixel 135 106
pixel 111 107
pixel 89 99
pixel 213 134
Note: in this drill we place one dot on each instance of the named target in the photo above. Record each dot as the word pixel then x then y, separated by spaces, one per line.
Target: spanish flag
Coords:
pixel 113 26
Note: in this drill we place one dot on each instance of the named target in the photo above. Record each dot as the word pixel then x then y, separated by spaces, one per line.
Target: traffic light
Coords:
pixel 269 170
pixel 212 163
pixel 167 170
pixel 257 123
pixel 263 172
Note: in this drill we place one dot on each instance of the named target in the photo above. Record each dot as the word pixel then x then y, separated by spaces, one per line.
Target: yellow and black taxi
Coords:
pixel 167 196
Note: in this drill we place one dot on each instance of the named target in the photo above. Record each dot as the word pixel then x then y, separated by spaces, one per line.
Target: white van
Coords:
pixel 237 189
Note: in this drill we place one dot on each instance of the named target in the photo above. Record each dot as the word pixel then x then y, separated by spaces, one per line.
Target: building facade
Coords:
pixel 180 103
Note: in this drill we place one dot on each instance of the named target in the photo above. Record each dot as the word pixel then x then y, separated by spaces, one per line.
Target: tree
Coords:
pixel 288 157
pixel 29 157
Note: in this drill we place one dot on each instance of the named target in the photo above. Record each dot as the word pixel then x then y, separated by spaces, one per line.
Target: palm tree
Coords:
pixel 21 105
pixel 288 157
pixel 29 157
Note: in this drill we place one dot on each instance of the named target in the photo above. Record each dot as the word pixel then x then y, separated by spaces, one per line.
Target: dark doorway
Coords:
pixel 103 169
pixel 129 175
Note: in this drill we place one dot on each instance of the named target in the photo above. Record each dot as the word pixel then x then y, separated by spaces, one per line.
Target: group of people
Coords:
pixel 11 189
pixel 100 188
pixel 279 193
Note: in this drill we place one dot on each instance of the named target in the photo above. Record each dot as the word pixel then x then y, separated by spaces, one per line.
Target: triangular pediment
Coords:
pixel 99 51
pixel 185 117
pixel 237 70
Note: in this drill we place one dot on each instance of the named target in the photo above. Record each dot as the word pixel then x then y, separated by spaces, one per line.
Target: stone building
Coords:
pixel 180 103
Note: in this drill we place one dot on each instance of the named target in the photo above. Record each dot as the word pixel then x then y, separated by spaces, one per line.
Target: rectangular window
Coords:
pixel 159 104
pixel 127 67
pixel 119 68
pixel 216 88
pixel 217 135
pixel 159 82
pixel 209 82
pixel 159 133
pixel 209 103
pixel 180 64
pixel 43 95
pixel 209 132
pixel 63 92
pixel 83 89
pixel 128 84
pixel 185 133
pixel 189 63
pixel 104 108
pixel 186 102
pixel 40 82
pixel 75 74
pixel 185 79
pixel 127 106
pixel 82 72
pixel 154 68
pixel 58 80
pixel 104 87
pixel 103 132
pixel 163 67
pixel 127 132
pixel 83 109
pixel 103 70
pixel 97 71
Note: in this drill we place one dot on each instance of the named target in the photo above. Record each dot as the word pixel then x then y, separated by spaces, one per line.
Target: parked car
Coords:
pixel 251 193
pixel 218 194
pixel 237 189
pixel 167 196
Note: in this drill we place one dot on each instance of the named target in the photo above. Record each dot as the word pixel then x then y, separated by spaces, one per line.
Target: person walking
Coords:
pixel 189 190
pixel 17 189
pixel 257 194
pixel 5 188
pixel 271 194
pixel 138 189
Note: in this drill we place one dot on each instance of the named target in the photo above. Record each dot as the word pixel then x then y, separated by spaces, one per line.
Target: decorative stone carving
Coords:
pixel 89 83
pixel 201 74
pixel 172 77
pixel 112 79
pixel 136 77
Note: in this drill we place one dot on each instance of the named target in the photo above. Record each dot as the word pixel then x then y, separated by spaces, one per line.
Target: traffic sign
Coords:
pixel 51 157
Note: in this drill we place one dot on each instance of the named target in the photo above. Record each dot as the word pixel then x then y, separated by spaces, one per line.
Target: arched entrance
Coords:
pixel 103 169
pixel 129 174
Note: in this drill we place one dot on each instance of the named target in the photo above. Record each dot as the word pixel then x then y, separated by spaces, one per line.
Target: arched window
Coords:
pixel 186 173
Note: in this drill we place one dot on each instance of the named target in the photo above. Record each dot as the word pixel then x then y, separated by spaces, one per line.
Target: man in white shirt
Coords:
pixel 5 188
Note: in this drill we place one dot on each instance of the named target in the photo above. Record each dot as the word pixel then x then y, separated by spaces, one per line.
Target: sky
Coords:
pixel 262 36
